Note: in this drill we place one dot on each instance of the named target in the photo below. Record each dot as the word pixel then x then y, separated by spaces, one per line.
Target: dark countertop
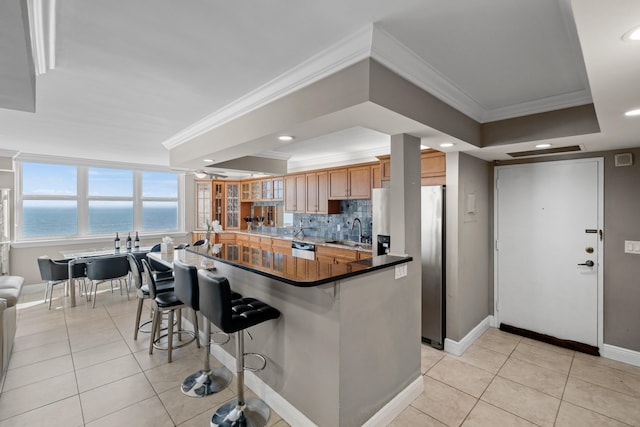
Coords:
pixel 285 268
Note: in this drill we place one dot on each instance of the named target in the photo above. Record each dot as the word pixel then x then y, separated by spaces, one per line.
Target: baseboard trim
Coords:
pixel 458 347
pixel 621 354
pixel 396 405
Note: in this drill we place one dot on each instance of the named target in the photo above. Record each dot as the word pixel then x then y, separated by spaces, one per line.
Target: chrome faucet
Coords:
pixel 299 231
pixel 359 228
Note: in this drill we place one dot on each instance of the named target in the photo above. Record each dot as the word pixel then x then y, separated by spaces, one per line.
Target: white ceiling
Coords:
pixel 132 77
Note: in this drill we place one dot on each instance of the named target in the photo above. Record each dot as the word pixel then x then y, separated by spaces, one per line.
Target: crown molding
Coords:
pixel 346 52
pixel 372 41
pixel 42 29
pixel 394 55
pixel 274 155
pixel 337 160
pixel 557 102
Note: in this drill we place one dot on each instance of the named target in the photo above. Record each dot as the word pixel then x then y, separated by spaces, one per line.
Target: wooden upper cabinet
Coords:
pixel 350 183
pixel 295 193
pixel 433 167
pixel 245 191
pixel 278 189
pixel 203 204
pixel 376 177
pixel 317 194
pixel 338 187
pixel 359 182
pixel 385 168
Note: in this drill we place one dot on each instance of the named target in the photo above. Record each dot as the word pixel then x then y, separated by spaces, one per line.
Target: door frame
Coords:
pixel 600 249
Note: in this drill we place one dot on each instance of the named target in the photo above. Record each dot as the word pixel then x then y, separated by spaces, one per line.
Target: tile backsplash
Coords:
pixel 334 226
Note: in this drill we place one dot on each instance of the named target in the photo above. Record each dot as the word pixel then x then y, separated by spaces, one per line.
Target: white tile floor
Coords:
pixel 81 366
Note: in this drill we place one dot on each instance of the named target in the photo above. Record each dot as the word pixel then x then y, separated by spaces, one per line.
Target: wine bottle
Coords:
pixel 116 242
pixel 136 242
pixel 129 243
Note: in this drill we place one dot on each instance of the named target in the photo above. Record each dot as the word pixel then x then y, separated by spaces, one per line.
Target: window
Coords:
pixel 65 201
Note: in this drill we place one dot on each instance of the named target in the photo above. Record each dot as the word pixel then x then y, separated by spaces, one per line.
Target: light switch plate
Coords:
pixel 401 270
pixel 631 247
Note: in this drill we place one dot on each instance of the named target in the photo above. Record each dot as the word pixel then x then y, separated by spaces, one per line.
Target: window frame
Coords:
pixel 82 199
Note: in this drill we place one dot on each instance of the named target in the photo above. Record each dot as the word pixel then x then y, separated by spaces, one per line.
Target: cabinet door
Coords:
pixel 256 190
pixel 278 192
pixel 267 189
pixel 290 193
pixel 301 194
pixel 295 193
pixel 218 201
pixel 376 177
pixel 232 205
pixel 360 182
pixel 338 184
pixel 245 191
pixel 312 192
pixel 385 169
pixel 203 204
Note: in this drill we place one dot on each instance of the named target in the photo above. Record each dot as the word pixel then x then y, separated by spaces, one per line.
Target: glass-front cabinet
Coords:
pixel 203 204
pixel 218 201
pixel 232 205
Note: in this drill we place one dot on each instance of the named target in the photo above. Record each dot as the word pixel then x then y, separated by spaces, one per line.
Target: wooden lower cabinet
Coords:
pixel 330 255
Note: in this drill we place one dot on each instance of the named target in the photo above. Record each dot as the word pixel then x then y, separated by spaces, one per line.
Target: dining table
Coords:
pixel 76 257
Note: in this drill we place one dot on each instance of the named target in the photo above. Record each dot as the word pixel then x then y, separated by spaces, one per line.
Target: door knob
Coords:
pixel 588 263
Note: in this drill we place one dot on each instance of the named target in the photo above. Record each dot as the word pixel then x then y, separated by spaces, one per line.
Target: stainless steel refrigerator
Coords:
pixel 432 219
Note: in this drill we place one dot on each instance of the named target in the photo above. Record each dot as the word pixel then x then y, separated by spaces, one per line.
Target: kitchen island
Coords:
pixel 346 348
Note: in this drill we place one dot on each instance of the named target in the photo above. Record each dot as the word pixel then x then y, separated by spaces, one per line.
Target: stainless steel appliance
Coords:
pixel 432 257
pixel 303 250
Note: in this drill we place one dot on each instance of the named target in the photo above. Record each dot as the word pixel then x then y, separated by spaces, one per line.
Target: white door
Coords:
pixel 548 231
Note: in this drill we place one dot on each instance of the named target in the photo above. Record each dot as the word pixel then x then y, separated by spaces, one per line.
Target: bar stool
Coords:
pixel 142 290
pixel 231 316
pixel 205 381
pixel 165 302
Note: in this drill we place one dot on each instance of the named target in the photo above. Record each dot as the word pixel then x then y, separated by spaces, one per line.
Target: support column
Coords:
pixel 405 195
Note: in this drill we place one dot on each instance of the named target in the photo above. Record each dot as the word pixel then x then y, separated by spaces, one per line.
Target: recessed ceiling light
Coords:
pixel 633 35
pixel 446 144
pixel 631 113
pixel 208 160
pixel 285 138
pixel 543 145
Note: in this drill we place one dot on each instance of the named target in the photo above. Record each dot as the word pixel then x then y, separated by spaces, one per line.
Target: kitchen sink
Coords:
pixel 348 243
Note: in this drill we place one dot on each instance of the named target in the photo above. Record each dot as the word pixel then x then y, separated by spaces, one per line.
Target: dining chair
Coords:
pixel 101 269
pixel 56 272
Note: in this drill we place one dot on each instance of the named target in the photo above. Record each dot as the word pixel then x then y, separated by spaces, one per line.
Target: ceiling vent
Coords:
pixel 554 150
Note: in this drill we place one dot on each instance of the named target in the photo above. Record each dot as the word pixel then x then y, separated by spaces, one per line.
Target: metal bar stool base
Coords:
pixel 159 343
pixel 204 383
pixel 254 413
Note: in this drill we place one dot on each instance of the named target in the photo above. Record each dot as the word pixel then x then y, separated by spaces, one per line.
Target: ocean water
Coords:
pixel 63 221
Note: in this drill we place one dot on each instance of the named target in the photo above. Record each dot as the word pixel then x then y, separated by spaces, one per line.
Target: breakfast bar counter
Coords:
pixel 286 268
pixel 345 350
